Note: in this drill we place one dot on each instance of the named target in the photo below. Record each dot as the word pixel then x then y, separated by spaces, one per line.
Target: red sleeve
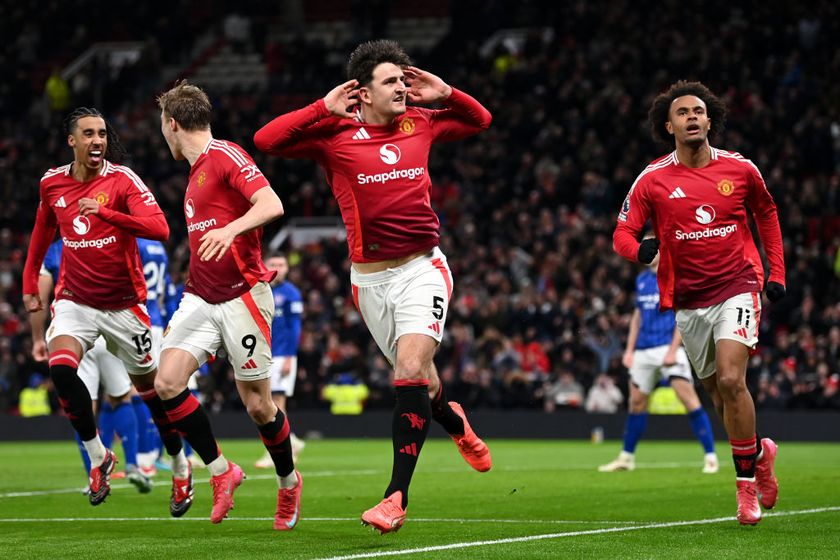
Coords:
pixel 463 117
pixel 42 235
pixel 767 219
pixel 144 219
pixel 294 135
pixel 247 179
pixel 634 213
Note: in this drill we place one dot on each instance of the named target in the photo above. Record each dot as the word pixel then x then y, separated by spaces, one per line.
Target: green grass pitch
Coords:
pixel 543 499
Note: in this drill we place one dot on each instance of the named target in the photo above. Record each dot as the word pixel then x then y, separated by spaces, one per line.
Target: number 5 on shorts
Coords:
pixel 438 308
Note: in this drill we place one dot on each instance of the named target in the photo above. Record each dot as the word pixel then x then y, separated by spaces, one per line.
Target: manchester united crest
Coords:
pixel 407 125
pixel 725 187
pixel 201 178
pixel 101 197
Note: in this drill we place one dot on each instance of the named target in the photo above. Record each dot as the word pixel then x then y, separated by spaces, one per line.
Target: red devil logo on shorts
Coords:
pixel 416 421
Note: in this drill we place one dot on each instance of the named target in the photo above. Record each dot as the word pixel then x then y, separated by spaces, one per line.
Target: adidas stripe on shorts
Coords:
pixel 409 299
pixel 241 325
pixel 734 319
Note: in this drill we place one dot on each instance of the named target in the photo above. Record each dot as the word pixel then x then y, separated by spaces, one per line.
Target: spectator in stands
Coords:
pixel 549 101
pixel 604 397
pixel 566 392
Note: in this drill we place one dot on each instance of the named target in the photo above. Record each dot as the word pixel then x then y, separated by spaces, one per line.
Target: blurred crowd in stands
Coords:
pixel 541 303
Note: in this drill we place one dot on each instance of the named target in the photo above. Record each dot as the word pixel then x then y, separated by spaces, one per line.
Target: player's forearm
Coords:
pixel 39 243
pixel 266 208
pixel 280 133
pixel 294 340
pixel 38 319
pixel 625 244
pixel 633 332
pixel 676 340
pixel 150 227
pixel 37 324
pixel 771 238
pixel 468 107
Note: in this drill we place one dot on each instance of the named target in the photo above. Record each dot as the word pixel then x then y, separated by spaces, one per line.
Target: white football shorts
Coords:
pixel 409 299
pixel 100 367
pixel 647 367
pixel 157 341
pixel 241 325
pixel 283 383
pixel 127 332
pixel 734 319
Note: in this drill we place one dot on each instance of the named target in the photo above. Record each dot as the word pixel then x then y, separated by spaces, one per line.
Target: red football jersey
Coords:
pixel 222 181
pixel 707 252
pixel 100 264
pixel 378 173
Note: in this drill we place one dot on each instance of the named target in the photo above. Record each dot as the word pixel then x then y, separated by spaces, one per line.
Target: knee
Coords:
pixel 142 383
pixel 730 384
pixel 638 404
pixel 166 386
pixel 685 392
pixel 261 410
pixel 411 369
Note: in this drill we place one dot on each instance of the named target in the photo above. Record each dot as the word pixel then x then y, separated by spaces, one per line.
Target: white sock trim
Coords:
pixel 180 465
pixel 95 450
pixel 218 466
pixel 288 481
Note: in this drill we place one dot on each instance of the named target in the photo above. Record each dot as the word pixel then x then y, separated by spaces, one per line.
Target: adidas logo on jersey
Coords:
pixel 435 327
pixel 361 134
pixel 60 203
pixel 250 364
pixel 677 193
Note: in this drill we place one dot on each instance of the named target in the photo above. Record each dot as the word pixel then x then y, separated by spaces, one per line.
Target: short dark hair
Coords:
pixel 658 114
pixel 188 105
pixel 368 56
pixel 115 151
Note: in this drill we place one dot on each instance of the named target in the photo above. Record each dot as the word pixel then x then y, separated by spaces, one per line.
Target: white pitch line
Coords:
pixel 530 538
pixel 164 482
pixel 317 519
pixel 336 473
pixel 632 525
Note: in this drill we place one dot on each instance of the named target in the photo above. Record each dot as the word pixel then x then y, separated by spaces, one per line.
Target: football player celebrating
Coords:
pixel 99 208
pixel 227 300
pixel 710 272
pixel 376 160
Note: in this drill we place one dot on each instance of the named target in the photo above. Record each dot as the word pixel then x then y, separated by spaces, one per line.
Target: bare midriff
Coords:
pixel 379 266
